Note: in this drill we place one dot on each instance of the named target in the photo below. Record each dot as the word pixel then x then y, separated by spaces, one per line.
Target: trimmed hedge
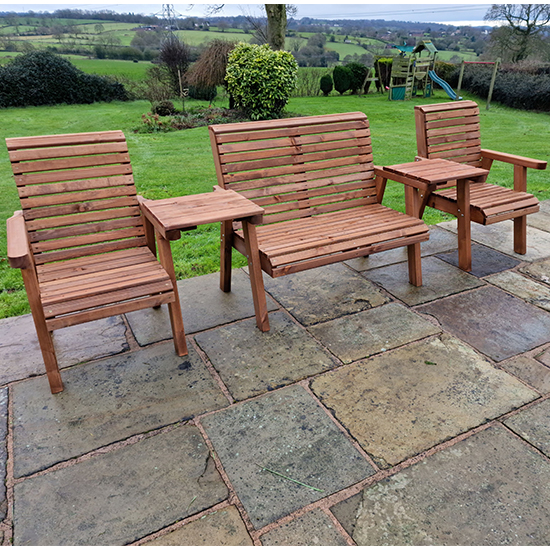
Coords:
pixel 326 84
pixel 44 78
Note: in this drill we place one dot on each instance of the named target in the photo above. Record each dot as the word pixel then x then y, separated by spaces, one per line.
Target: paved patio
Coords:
pixel 372 413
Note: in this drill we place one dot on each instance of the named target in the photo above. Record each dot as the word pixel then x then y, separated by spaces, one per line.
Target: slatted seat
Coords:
pixel 451 131
pixel 315 179
pixel 80 240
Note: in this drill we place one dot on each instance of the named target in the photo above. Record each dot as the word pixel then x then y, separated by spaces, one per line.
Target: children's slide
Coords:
pixel 450 92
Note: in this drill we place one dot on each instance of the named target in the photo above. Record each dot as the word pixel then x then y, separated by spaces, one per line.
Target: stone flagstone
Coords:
pixel 522 287
pixel 439 279
pixel 492 321
pixel 324 293
pixel 538 270
pixel 289 433
pixel 530 371
pixel 406 401
pixel 440 241
pixel 541 219
pixel 3 450
pixel 373 331
pixel 500 236
pixel 20 353
pixel 108 401
pixel 485 261
pixel 251 362
pixel 533 424
pixel 222 528
pixel 312 529
pixel 488 490
pixel 203 306
pixel 119 497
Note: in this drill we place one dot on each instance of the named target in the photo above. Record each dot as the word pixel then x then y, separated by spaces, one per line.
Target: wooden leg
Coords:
pixel 464 231
pixel 174 308
pixel 412 208
pixel 44 335
pixel 226 246
pixel 520 235
pixel 256 278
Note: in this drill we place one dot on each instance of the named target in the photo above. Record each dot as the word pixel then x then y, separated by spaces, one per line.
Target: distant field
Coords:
pixel 114 67
pixel 196 38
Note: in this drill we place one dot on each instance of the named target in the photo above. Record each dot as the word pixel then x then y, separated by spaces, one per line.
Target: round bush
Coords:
pixel 342 79
pixel 164 108
pixel 260 80
pixel 358 74
pixel 206 93
pixel 44 78
pixel 326 84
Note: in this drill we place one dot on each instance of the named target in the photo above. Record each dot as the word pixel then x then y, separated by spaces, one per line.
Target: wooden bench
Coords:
pixel 451 131
pixel 314 176
pixel 80 241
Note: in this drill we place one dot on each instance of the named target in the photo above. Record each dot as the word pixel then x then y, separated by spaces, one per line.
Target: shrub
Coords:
pixel 358 75
pixel 206 93
pixel 342 79
pixel 164 108
pixel 326 84
pixel 260 80
pixel 44 78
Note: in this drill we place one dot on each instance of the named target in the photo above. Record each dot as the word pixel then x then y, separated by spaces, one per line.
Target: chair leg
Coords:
pixel 415 264
pixel 226 249
pixel 520 235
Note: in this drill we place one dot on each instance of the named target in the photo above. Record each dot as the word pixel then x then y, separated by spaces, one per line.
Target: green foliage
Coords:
pixel 342 79
pixel 164 108
pixel 326 84
pixel 206 93
pixel 43 78
pixel 260 80
pixel 358 74
pixel 445 70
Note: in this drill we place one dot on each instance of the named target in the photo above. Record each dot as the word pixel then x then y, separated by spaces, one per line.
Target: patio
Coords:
pixel 372 413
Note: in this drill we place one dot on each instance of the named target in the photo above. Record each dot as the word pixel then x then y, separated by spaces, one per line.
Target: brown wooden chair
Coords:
pixel 79 240
pixel 451 131
pixel 315 178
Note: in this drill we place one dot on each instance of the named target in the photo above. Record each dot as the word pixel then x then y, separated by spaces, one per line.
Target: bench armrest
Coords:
pixel 19 253
pixel 514 159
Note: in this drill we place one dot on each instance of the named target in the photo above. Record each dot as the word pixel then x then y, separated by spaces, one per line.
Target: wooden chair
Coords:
pixel 451 131
pixel 315 178
pixel 79 240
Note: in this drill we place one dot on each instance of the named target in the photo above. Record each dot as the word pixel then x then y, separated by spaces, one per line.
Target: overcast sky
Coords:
pixel 455 14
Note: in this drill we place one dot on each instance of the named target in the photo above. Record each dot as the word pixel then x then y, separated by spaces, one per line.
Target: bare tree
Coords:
pixel 526 24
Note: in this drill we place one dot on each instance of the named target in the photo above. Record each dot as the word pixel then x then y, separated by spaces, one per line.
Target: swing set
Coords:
pixel 493 78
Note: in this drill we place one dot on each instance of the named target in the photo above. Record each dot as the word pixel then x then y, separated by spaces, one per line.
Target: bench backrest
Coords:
pixel 297 167
pixel 449 131
pixel 77 193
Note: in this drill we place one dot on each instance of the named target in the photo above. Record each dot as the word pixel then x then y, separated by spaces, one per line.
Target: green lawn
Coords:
pixel 180 163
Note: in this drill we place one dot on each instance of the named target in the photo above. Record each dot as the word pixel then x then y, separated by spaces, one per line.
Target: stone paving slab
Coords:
pixel 544 357
pixel 203 306
pixel 108 401
pixel 500 236
pixel 538 270
pixel 251 362
pixel 523 287
pixel 485 261
pixel 461 496
pixel 312 529
pixel 373 331
pixel 289 433
pixel 3 450
pixel 439 279
pixel 530 371
pixel 407 400
pixel 533 425
pixel 119 497
pixel 492 321
pixel 222 528
pixel 440 241
pixel 541 219
pixel 324 293
pixel 20 353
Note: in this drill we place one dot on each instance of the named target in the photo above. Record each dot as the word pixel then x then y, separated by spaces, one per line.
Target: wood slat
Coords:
pixel 70 175
pixel 58 140
pixel 60 152
pixel 71 186
pixel 448 122
pixel 77 197
pixel 71 163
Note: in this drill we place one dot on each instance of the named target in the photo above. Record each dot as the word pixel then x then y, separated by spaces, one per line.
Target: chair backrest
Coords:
pixel 77 193
pixel 449 131
pixel 297 167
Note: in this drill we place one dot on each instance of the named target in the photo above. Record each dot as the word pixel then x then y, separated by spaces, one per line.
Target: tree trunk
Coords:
pixel 276 25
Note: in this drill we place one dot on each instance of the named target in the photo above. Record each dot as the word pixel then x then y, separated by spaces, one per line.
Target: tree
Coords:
pixel 526 24
pixel 174 55
pixel 276 25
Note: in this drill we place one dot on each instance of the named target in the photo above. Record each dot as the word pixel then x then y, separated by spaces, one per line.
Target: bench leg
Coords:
pixel 256 278
pixel 226 249
pixel 415 264
pixel 463 225
pixel 520 235
pixel 174 308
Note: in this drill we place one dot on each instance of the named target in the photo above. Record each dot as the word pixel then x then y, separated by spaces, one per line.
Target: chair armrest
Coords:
pixel 19 253
pixel 514 159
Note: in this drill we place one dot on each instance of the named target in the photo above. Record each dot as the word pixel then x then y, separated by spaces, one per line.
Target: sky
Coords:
pixel 454 14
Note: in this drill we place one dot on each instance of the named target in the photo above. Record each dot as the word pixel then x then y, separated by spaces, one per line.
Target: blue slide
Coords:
pixel 450 92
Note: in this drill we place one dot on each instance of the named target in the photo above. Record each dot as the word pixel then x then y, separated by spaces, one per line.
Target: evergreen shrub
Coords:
pixel 342 79
pixel 326 84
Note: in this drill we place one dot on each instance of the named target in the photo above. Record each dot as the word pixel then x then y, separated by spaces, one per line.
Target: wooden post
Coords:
pixel 463 225
pixel 492 85
pixel 460 77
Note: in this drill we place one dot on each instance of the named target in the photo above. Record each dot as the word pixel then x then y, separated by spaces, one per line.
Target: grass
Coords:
pixel 180 163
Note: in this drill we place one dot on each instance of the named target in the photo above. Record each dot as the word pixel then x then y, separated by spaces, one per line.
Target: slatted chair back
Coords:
pixel 77 193
pixel 449 131
pixel 300 167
